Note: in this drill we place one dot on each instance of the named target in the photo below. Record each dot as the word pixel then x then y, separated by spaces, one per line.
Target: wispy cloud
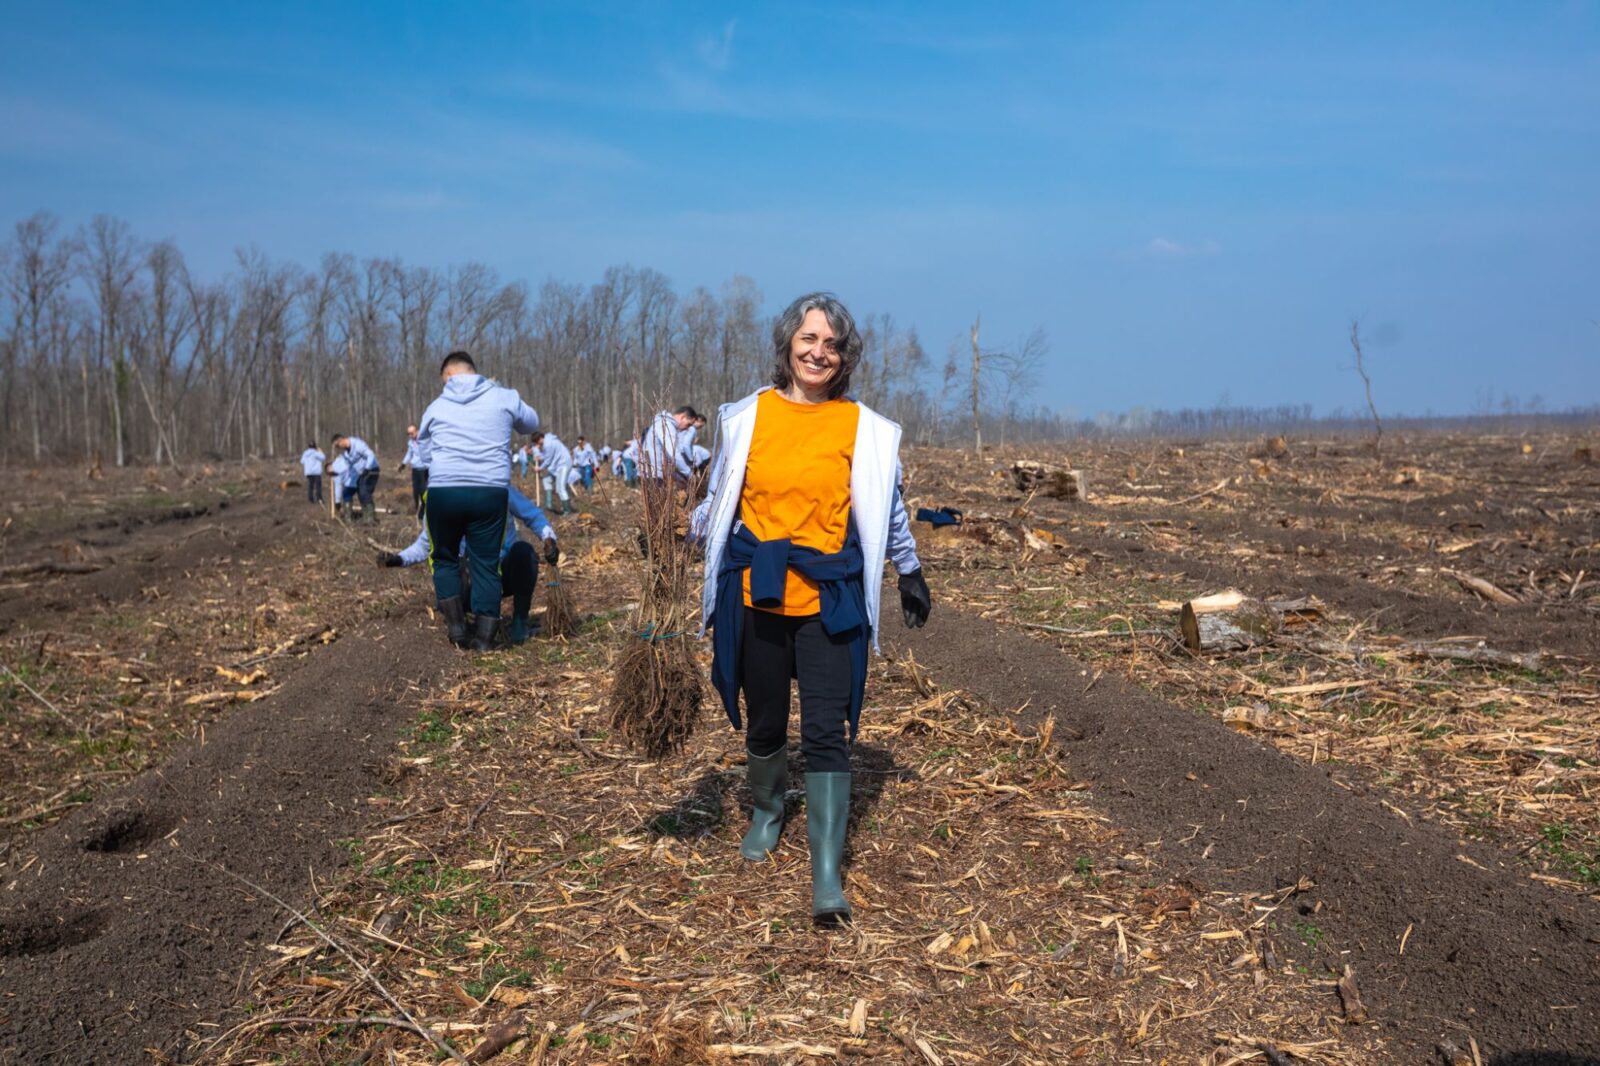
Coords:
pixel 715 50
pixel 1165 248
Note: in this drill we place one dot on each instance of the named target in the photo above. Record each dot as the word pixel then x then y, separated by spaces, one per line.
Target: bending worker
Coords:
pixel 361 470
pixel 467 432
pixel 804 506
pixel 519 566
pixel 661 455
pixel 555 467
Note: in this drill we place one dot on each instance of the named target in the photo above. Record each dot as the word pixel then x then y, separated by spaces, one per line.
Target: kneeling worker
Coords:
pixel 519 566
pixel 467 432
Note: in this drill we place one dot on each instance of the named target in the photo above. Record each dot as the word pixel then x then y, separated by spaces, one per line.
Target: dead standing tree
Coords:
pixel 977 390
pixel 1361 368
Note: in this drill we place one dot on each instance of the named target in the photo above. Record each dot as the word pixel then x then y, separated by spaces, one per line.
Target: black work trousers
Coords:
pixel 365 487
pixel 314 488
pixel 777 649
pixel 519 574
pixel 477 513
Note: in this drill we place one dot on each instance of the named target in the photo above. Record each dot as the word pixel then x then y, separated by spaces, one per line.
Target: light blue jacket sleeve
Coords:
pixel 524 419
pixel 701 516
pixel 417 551
pixel 361 457
pixel 527 512
pixel 902 546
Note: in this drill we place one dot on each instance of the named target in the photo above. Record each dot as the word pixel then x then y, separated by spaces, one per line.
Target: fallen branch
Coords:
pixel 1487 589
pixel 505 1033
pixel 1218 487
pixel 1086 633
pixel 29 569
pixel 1489 656
pixel 389 997
pixel 33 692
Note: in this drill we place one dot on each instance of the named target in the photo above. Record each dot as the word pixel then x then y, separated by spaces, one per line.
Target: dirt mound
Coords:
pixel 126 927
pixel 1486 952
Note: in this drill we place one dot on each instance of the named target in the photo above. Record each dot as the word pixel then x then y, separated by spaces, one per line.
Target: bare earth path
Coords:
pixel 125 929
pixel 1487 952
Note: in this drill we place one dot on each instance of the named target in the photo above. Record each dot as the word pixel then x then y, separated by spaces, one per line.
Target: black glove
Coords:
pixel 915 600
pixel 552 553
pixel 390 559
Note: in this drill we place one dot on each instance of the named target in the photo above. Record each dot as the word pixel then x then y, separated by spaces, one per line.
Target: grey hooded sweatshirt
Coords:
pixel 467 432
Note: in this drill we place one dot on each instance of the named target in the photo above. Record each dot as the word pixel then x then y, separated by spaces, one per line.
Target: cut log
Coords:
pixel 1059 482
pixel 1220 623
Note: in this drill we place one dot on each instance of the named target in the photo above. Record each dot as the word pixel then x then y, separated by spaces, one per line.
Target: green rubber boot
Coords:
pixel 521 604
pixel 769 780
pixel 827 812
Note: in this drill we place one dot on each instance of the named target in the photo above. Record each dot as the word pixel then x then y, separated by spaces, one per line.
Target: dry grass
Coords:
pixel 529 874
pixel 1496 751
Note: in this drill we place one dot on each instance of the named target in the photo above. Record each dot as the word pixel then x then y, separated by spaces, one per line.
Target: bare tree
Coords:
pixel 1018 370
pixel 977 389
pixel 36 276
pixel 1361 368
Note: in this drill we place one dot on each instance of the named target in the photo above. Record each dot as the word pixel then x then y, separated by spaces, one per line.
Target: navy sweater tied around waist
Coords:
pixel 839 586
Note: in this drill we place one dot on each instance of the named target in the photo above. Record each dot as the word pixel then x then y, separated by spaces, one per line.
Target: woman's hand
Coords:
pixel 915 600
pixel 552 553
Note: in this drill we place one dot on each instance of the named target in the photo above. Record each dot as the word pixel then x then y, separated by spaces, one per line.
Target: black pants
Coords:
pixel 365 487
pixel 519 574
pixel 314 488
pixel 419 487
pixel 776 649
pixel 478 513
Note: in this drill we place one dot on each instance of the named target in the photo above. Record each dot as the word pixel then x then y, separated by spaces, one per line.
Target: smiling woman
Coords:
pixel 803 509
pixel 823 347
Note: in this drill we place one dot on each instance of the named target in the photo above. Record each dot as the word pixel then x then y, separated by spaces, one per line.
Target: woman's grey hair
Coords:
pixel 846 339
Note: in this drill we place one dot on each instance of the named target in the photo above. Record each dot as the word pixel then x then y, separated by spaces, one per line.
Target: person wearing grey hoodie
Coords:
pixel 467 432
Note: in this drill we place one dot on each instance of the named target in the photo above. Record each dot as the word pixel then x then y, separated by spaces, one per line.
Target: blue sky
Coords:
pixel 1191 199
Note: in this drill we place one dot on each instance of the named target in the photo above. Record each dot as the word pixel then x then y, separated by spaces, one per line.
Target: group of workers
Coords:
pixel 802 509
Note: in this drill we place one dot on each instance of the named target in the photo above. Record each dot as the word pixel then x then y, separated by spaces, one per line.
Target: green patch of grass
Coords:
pixel 1573 850
pixel 426 886
pixel 1310 935
pixel 432 727
pixel 496 974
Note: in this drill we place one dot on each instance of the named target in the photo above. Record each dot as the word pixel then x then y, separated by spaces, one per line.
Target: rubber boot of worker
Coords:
pixel 769 780
pixel 483 632
pixel 827 812
pixel 521 604
pixel 455 620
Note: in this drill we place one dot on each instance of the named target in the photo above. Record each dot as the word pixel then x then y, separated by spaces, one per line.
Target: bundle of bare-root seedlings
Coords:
pixel 560 616
pixel 657 692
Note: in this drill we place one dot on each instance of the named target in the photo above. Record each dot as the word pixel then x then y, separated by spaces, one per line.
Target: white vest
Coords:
pixel 873 469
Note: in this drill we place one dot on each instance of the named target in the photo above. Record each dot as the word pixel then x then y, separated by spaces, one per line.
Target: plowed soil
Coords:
pixel 1486 950
pixel 205 692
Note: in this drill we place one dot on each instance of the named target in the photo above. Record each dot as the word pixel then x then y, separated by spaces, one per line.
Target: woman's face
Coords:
pixel 813 356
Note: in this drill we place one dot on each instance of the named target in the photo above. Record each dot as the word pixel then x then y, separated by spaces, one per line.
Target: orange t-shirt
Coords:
pixel 797 484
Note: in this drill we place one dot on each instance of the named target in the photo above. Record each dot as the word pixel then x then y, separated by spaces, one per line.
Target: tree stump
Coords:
pixel 1058 482
pixel 1227 621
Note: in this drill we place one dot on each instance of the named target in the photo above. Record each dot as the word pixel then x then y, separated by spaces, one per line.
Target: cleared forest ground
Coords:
pixel 507 862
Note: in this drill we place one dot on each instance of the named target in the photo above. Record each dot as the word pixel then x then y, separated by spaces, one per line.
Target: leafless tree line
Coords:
pixel 115 350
